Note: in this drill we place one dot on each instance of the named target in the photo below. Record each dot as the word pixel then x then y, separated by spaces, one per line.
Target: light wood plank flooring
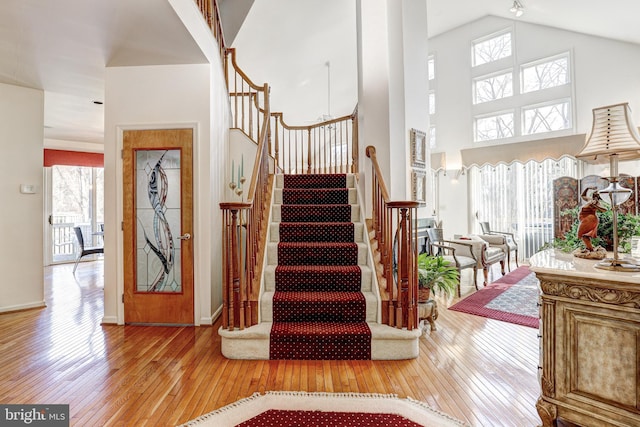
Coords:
pixel 481 371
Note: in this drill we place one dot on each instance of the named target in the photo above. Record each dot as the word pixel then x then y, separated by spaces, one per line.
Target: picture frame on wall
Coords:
pixel 418 148
pixel 419 186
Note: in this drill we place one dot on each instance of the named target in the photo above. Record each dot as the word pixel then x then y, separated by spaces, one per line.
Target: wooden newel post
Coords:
pixel 234 289
pixel 403 270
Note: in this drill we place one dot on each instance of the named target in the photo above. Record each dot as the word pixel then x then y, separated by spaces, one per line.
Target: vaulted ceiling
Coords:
pixel 63 46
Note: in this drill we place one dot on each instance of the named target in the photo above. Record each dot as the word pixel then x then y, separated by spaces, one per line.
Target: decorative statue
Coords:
pixel 588 228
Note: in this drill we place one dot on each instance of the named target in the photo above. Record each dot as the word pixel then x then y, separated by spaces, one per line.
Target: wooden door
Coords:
pixel 158 226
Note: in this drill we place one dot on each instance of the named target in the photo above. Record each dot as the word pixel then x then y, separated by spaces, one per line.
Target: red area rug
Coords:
pixel 301 409
pixel 319 311
pixel 513 298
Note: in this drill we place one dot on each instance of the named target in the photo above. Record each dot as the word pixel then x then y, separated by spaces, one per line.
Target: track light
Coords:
pixel 517 9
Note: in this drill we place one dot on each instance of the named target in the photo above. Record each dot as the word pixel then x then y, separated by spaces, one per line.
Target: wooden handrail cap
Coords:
pixel 231 206
pixel 370 150
pixel 403 204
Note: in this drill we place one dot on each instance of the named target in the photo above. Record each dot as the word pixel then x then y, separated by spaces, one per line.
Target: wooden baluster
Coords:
pixel 388 265
pixel 235 278
pixel 354 144
pixel 227 268
pixel 309 150
pixel 277 146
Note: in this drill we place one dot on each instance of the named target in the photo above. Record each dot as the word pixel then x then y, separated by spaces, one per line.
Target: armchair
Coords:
pixel 485 254
pixel 460 254
pixel 507 242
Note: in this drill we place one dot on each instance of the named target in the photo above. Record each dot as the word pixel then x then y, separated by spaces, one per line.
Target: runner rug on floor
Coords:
pixel 513 298
pixel 289 409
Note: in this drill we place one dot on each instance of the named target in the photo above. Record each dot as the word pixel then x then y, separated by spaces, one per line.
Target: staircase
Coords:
pixel 319 296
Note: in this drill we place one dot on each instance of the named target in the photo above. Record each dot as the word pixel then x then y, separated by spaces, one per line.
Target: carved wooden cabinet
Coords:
pixel 590 343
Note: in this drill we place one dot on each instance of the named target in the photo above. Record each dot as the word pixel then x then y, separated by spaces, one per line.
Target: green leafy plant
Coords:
pixel 435 273
pixel 628 226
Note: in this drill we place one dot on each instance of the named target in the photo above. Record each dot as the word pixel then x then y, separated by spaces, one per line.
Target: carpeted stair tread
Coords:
pixel 318 278
pixel 319 307
pixel 317 253
pixel 320 341
pixel 314 196
pixel 315 181
pixel 317 232
pixel 315 213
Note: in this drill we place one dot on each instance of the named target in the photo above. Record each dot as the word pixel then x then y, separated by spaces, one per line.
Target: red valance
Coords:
pixel 73 158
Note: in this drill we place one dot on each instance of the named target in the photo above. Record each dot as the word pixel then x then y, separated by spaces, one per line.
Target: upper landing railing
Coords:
pixel 327 147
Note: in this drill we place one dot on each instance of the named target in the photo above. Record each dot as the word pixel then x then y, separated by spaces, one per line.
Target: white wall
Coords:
pixel 392 88
pixel 21 221
pixel 604 72
pixel 161 97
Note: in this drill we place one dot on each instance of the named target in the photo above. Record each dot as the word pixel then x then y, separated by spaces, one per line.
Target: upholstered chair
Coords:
pixel 457 253
pixel 506 241
pixel 485 254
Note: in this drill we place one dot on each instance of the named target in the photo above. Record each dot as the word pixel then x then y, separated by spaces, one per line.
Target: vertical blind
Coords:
pixel 518 198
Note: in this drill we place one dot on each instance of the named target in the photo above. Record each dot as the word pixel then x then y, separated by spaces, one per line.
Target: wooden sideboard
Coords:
pixel 590 343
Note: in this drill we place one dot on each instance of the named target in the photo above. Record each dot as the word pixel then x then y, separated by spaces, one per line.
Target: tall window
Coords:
pixel 491 49
pixel 431 67
pixel 432 102
pixel 431 70
pixel 490 88
pixel 546 118
pixel 547 73
pixel 494 127
pixel 432 137
pixel 518 198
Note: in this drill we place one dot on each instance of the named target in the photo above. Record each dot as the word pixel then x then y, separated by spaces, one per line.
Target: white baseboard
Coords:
pixel 37 304
pixel 109 320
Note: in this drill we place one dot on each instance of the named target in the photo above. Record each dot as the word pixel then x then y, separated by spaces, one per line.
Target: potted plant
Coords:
pixel 435 273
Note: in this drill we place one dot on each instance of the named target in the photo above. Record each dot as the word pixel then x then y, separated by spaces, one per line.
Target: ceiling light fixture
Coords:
pixel 517 9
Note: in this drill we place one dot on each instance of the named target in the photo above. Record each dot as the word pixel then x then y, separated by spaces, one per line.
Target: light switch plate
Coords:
pixel 27 189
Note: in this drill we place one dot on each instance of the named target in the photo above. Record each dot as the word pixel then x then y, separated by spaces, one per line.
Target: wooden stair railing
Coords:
pixel 245 223
pixel 211 14
pixel 326 147
pixel 398 280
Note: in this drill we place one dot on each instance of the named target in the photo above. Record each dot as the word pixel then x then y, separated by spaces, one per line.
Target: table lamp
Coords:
pixel 613 138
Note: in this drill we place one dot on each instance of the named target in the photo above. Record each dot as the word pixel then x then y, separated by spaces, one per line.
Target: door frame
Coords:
pixel 116 227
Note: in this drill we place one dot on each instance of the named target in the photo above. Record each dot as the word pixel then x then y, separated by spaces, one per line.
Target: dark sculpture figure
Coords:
pixel 588 228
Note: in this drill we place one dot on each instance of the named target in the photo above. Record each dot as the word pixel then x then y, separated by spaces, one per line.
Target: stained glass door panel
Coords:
pixel 158 222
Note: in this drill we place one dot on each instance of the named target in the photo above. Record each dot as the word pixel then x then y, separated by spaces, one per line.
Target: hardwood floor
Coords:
pixel 478 370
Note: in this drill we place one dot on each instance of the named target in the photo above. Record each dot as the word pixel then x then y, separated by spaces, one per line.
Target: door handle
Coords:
pixel 185 236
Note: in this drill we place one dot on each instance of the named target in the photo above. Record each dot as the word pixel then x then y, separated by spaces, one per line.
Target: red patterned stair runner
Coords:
pixel 319 311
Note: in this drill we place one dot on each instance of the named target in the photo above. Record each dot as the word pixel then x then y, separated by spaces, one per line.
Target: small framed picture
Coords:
pixel 418 149
pixel 419 186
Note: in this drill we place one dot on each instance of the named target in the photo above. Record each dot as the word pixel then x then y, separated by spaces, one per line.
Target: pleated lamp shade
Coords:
pixel 612 133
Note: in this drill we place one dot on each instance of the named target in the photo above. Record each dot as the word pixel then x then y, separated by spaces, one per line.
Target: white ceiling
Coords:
pixel 63 46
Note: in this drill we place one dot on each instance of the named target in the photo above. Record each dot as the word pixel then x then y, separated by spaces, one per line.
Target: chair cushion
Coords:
pixel 463 261
pixel 494 254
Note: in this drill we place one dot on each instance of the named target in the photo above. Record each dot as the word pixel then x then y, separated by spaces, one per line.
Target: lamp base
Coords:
pixel 617 265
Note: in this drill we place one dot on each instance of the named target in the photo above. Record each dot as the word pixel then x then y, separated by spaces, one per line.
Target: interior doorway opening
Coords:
pixel 75 199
